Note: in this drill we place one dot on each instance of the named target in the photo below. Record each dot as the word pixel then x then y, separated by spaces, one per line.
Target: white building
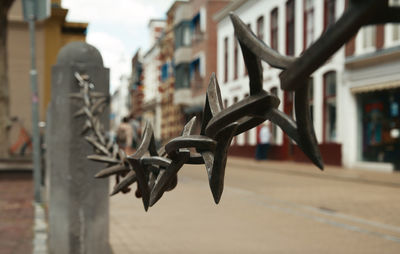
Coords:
pixel 151 82
pixel 289 26
pixel 120 103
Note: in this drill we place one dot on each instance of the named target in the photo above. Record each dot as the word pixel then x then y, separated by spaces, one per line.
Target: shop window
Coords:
pixel 290 19
pixel 260 28
pixel 308 22
pixel 235 59
pixel 380 126
pixel 226 59
pixel 330 106
pixel 182 79
pixel 329 13
pixel 274 29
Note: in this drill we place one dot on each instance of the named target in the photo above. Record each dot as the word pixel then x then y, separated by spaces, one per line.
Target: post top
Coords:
pixel 79 52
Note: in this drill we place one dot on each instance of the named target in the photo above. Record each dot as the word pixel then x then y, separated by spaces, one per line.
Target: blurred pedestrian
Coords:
pixel 263 140
pixel 125 135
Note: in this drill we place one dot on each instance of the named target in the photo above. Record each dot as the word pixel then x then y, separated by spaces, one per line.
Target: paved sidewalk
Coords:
pixel 266 207
pixel 16 212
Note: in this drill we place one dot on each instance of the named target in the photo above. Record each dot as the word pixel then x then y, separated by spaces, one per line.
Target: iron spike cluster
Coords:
pixel 156 171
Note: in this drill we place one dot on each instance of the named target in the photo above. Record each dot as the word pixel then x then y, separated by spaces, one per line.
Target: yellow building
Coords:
pixel 51 35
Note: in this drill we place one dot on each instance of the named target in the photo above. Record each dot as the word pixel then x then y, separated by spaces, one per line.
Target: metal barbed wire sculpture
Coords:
pixel 156 171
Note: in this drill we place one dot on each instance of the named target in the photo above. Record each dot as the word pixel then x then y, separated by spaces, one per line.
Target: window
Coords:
pixel 182 76
pixel 182 35
pixel 308 22
pixel 235 59
pixel 329 13
pixel 245 68
pixel 290 27
pixel 260 28
pixel 234 140
pixel 196 28
pixel 164 72
pixel 369 37
pixel 274 128
pixel 330 106
pixel 311 97
pixel 274 29
pixel 195 74
pixel 395 33
pixel 226 59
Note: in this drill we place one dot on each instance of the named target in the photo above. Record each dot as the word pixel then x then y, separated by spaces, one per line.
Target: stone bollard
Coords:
pixel 78 203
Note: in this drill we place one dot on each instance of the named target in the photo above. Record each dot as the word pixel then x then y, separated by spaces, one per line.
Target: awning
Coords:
pixel 376 87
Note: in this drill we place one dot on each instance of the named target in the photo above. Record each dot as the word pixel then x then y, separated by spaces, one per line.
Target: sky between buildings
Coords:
pixel 117 28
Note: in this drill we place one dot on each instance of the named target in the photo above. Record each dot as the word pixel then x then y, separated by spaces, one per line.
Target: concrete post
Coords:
pixel 78 203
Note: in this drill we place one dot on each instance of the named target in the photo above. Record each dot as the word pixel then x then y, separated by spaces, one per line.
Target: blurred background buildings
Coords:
pixel 51 35
pixel 354 97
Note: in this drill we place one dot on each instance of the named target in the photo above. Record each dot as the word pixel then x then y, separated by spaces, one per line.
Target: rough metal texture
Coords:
pixel 78 203
pixel 156 171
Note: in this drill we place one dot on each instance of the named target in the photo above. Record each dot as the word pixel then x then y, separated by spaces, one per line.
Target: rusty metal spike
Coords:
pixel 188 128
pixel 355 16
pixel 97 105
pixel 214 95
pixel 79 113
pixel 164 179
pixel 141 178
pixel 248 38
pixel 116 169
pixel 76 95
pixel 126 182
pixel 134 161
pixel 217 173
pixel 307 141
pixel 86 127
pixel 102 158
pixel 97 145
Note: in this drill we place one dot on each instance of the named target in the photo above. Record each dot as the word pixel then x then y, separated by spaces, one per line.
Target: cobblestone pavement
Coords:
pixel 16 212
pixel 266 207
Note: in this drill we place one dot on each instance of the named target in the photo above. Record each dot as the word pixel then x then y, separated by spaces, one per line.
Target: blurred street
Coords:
pixel 266 207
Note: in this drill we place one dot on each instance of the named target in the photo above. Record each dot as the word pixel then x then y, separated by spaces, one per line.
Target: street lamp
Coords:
pixel 35 10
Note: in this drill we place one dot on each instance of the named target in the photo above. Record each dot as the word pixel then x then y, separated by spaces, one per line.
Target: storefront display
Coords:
pixel 380 126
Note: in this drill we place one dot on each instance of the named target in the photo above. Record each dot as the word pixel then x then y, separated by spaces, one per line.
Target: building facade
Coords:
pixel 136 87
pixel 353 96
pixel 51 35
pixel 371 88
pixel 152 78
pixel 195 52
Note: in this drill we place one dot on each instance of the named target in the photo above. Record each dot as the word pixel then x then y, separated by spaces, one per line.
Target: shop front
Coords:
pixel 379 136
